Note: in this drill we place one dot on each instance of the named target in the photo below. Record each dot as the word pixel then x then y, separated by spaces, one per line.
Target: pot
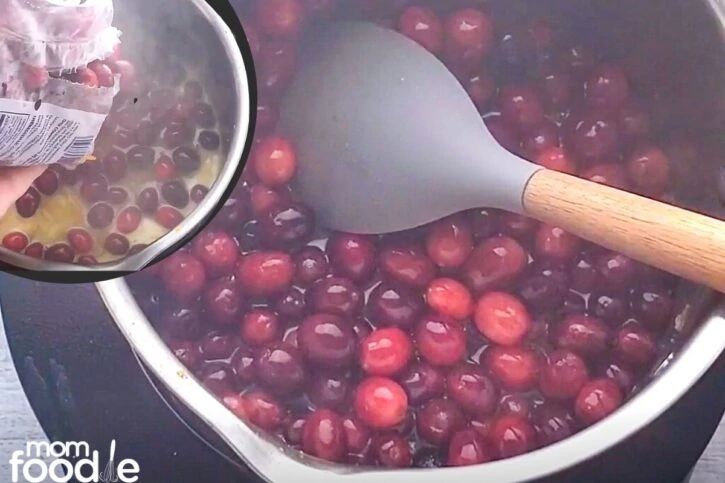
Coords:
pixel 668 43
pixel 213 50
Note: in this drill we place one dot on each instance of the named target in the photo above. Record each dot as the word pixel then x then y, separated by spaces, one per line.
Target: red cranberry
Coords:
pixel 582 334
pixel 35 250
pixel 612 307
pixel 94 188
pixel 263 410
pixel 515 368
pixel 385 352
pixel 336 295
pixel 594 136
pixel 223 300
pixel 449 242
pixel 100 215
pixel 327 340
pixel 470 387
pixel 265 273
pixel 407 264
pixel 60 252
pixel 395 305
pixel 635 345
pixel 437 420
pixel 649 170
pixel 148 200
pixel 518 226
pixel 282 18
pixel 310 265
pixel 467 448
pixel 652 306
pixel 128 220
pixel 449 297
pixel 274 161
pixel 330 391
pixel 216 346
pixel 164 169
pixel 392 451
pixel 616 270
pixel 468 37
pixel 552 423
pixel 607 87
pixel 352 256
pixel 597 400
pixel 422 25
pixel 279 368
pixel 380 403
pixel 259 327
pixel 47 183
pixel 521 107
pixel 276 67
pixel 556 158
pixel 494 264
pixel 27 205
pixel 357 435
pixel 502 318
pixel 80 240
pixel 422 382
pixel 217 251
pixel 556 244
pixel 15 241
pixel 512 436
pixel 263 199
pixel 563 375
pixel 287 222
pixel 168 217
pixel 323 435
pixel 235 403
pixel 441 341
pixel 556 88
pixel 183 275
pixel 541 139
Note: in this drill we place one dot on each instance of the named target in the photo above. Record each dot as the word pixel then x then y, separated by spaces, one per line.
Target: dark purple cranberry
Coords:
pixel 618 371
pixel 635 345
pixel 574 303
pixel 422 382
pixel 279 367
pixel 243 365
pixel 427 458
pixel 352 256
pixel 60 252
pixel 116 244
pixel 123 138
pixel 223 301
pixel 148 200
pixel 209 140
pixel 175 193
pixel 177 134
pixel 94 188
pixel 291 305
pixel 215 346
pixel 392 451
pixel 180 321
pixel 327 341
pixel 293 433
pixel 612 307
pixel 233 214
pixel 395 305
pixel 616 270
pixel 310 265
pixel 141 157
pixel 100 215
pixel 335 295
pixel 583 274
pixel 330 392
pixel 407 264
pixel 27 205
pixel 117 195
pixel 47 183
pixel 484 223
pixel 287 223
pixel 217 377
pixel 652 306
pixel 186 160
pixel 437 420
pixel 582 334
pixel 544 288
pixel 553 423
pixel 362 329
pixel 470 387
pixel 186 352
pixel 198 192
pixel 147 133
pixel 203 115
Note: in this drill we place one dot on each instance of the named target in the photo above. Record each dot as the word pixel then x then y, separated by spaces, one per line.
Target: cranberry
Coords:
pixel 216 346
pixel 217 251
pixel 407 264
pixel 512 436
pixel 65 175
pixel 94 188
pixel 276 67
pixel 27 205
pixel 186 159
pixel 327 340
pixel 481 88
pixel 357 435
pixel 578 59
pixel 635 345
pixel 60 252
pixel 263 410
pixel 544 288
pixel 468 37
pixel 556 158
pixel 552 423
pixel 141 157
pixel 422 25
pixel 494 264
pixel 128 220
pixel 392 451
pixel 164 169
pixel 310 265
pixel 556 88
pixel 47 183
pixel 467 448
pixel 293 433
pixel 209 140
pixel 216 377
pixel 175 193
pixel 282 18
pixel 515 368
pixel 437 420
pixel 470 387
pixel 198 192
pixel 336 295
pixel 265 273
pixel 117 195
pixel 291 305
pixel 502 318
pixel 203 115
pixel 380 403
pixel 323 435
pixel 274 161
pixel 279 368
pixel 35 250
pixel 563 375
pixel 583 275
pixel 619 372
pixel 267 115
pixel 422 382
pixel 440 340
pixel 15 241
pixel 517 405
pixel 168 217
pixel 185 352
pixel 616 270
pixel 395 305
pixel 521 106
pixel 652 306
pixel 449 297
pixel 180 320
pixel 518 226
pixel 541 139
pixel 183 275
pixel 100 215
pixel 352 256
pixel 649 170
pixel 582 334
pixel 556 244
pixel 80 240
pixel 288 222
pixel 634 123
pixel 612 307
pixel 597 400
pixel 223 300
pixel 449 242
pixel 331 392
pixel 232 214
pixel 243 364
pixel 148 200
pixel 607 87
pixel 259 327
pixel 175 135
pixel 385 352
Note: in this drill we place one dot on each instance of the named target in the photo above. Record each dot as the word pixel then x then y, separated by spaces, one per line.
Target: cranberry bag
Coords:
pixel 57 78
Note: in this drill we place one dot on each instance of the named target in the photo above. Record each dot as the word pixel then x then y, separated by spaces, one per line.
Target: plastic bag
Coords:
pixel 57 78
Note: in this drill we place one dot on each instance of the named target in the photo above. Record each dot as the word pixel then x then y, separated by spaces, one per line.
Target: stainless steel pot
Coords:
pixel 195 34
pixel 678 48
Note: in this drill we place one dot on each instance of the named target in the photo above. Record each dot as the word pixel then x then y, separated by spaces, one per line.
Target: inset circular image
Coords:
pixel 121 141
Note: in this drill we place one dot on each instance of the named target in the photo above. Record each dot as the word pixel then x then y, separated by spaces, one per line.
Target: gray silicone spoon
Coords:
pixel 387 139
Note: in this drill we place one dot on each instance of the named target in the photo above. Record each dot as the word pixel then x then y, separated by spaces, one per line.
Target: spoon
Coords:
pixel 387 139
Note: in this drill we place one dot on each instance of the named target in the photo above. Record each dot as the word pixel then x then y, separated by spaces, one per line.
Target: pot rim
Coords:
pixel 216 192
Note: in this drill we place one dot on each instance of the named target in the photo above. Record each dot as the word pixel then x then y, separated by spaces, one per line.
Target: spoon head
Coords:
pixel 387 138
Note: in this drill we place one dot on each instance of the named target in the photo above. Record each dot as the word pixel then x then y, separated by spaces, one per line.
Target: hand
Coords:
pixel 14 182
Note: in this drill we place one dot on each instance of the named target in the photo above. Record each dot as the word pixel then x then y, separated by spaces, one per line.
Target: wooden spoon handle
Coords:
pixel 672 239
